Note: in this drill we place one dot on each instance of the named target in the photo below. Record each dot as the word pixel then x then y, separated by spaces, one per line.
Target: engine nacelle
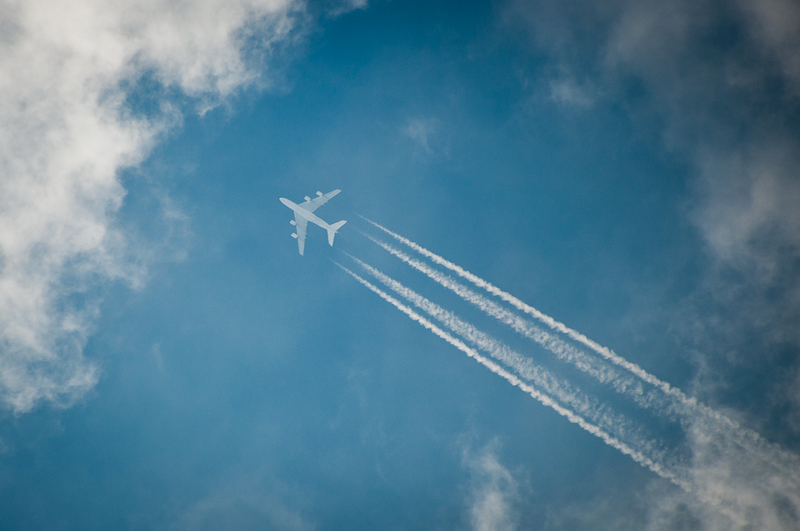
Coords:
pixel 307 198
pixel 294 235
pixel 292 222
pixel 319 193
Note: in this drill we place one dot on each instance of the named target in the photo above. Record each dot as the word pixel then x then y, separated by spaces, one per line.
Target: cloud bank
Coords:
pixel 67 73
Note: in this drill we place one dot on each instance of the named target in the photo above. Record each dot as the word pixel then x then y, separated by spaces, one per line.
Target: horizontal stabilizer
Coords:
pixel 332 230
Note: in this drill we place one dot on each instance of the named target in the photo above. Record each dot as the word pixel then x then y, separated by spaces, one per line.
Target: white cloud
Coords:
pixel 244 503
pixel 775 25
pixel 493 495
pixel 750 197
pixel 340 7
pixel 422 131
pixel 754 489
pixel 66 135
pixel 567 92
pixel 749 491
pixel 724 96
pixel 727 105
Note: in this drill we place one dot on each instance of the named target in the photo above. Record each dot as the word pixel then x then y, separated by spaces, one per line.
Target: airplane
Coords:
pixel 303 213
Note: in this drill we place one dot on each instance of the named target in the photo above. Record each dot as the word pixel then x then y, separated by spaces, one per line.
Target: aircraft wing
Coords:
pixel 300 227
pixel 312 204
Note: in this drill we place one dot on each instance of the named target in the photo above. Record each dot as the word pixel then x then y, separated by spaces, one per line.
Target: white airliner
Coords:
pixel 303 213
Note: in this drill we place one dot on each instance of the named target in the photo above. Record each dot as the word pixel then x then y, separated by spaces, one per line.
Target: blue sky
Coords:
pixel 169 361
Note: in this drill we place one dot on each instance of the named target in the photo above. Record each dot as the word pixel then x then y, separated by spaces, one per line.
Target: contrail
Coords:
pixel 515 381
pixel 522 306
pixel 745 436
pixel 524 367
pixel 563 351
pixel 786 464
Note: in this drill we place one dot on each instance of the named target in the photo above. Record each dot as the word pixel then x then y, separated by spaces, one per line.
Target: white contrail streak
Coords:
pixel 745 436
pixel 594 367
pixel 524 367
pixel 787 463
pixel 530 310
pixel 515 381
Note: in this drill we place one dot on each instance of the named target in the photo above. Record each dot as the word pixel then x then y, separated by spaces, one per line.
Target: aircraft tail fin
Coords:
pixel 332 230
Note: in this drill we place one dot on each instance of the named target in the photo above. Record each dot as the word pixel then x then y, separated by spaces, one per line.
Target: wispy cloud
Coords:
pixel 249 501
pixel 494 492
pixel 422 131
pixel 568 92
pixel 775 26
pixel 340 7
pixel 65 72
pixel 724 79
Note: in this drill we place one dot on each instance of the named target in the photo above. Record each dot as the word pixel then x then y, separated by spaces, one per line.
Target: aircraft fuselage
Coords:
pixel 300 211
